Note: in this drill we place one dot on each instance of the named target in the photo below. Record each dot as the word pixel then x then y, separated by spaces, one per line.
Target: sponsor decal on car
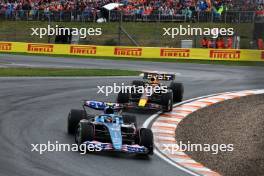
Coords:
pixel 128 51
pixel 40 48
pixel 224 54
pixel 164 52
pixel 83 49
pixel 159 76
pixel 5 46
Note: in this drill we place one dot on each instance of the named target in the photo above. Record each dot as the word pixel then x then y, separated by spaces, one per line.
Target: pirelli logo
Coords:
pixel 262 55
pixel 224 54
pixel 128 51
pixel 166 52
pixel 40 48
pixel 83 50
pixel 5 46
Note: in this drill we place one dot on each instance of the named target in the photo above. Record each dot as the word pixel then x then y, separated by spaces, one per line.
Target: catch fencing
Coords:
pixel 92 16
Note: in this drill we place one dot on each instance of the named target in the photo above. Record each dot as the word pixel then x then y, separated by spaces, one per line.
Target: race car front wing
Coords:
pixel 151 106
pixel 125 148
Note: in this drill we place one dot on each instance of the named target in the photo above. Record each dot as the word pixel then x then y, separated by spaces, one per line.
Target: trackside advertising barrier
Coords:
pixel 133 52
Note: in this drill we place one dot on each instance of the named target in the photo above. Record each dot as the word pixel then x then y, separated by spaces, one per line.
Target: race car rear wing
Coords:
pixel 159 76
pixel 99 105
pixel 117 107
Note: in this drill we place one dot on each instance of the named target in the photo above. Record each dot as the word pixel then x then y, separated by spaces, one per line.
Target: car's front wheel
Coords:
pixel 84 132
pixel 145 138
pixel 74 118
pixel 178 90
pixel 167 101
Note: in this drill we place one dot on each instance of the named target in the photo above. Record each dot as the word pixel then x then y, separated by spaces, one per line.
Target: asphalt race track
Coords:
pixel 34 110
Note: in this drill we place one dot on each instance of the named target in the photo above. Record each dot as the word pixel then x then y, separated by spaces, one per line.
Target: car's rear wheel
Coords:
pixel 178 90
pixel 74 118
pixel 135 95
pixel 138 83
pixel 145 138
pixel 122 97
pixel 128 119
pixel 167 101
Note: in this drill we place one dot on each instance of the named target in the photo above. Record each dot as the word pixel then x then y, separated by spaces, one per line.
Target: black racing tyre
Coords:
pixel 84 132
pixel 128 119
pixel 122 97
pixel 167 101
pixel 74 118
pixel 178 90
pixel 138 83
pixel 136 96
pixel 145 138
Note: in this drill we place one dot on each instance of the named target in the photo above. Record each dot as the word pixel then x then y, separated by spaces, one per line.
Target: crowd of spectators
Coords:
pixel 218 43
pixel 130 7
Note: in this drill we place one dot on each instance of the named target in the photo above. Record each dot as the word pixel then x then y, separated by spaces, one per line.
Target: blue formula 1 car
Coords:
pixel 109 131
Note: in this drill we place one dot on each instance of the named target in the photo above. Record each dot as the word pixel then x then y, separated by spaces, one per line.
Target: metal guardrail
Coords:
pixel 92 16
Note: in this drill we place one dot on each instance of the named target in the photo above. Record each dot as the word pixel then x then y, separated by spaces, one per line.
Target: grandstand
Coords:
pixel 202 13
pixel 132 10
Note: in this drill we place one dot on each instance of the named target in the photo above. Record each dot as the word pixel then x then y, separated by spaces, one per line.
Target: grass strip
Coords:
pixel 61 72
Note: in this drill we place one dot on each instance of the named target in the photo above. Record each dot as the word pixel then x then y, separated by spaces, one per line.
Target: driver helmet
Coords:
pixel 153 80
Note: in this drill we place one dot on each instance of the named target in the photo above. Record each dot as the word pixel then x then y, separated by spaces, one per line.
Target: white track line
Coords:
pixel 168 135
